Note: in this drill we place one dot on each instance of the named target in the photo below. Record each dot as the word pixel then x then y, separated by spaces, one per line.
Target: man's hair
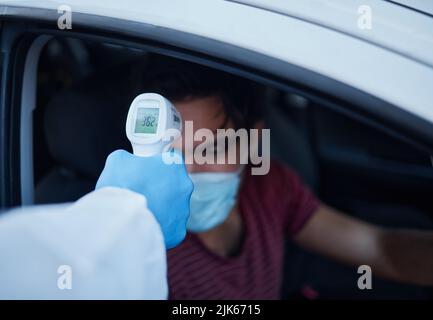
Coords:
pixel 179 80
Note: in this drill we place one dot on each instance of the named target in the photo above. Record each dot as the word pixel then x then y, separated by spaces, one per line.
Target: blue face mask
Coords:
pixel 213 197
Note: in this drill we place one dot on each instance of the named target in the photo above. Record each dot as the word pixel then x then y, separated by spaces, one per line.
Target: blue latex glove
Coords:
pixel 167 188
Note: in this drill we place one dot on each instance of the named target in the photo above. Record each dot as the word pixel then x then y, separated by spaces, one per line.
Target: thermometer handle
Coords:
pixel 150 149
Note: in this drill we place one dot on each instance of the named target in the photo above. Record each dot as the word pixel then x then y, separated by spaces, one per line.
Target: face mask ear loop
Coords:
pixel 241 170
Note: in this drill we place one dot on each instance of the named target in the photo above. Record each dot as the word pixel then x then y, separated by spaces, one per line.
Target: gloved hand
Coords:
pixel 167 188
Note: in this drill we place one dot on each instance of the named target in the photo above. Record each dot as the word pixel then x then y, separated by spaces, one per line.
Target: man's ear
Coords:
pixel 259 125
pixel 254 143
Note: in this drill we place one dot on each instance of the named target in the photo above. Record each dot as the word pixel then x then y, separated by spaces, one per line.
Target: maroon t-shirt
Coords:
pixel 271 206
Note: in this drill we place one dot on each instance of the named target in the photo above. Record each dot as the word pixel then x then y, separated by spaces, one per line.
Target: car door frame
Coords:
pixel 255 66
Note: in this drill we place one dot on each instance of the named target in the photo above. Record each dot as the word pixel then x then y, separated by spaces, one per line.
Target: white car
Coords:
pixel 349 99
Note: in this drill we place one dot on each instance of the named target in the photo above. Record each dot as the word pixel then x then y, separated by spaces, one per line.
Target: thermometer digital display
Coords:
pixel 152 125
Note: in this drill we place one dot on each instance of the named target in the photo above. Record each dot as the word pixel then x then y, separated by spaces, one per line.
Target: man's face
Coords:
pixel 206 113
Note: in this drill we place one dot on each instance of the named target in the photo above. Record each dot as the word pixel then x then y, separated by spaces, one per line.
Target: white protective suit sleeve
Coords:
pixel 106 245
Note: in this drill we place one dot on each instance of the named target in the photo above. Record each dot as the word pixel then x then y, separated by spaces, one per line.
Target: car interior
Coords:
pixel 84 89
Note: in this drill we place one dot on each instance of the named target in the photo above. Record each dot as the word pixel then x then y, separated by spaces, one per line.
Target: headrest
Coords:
pixel 87 122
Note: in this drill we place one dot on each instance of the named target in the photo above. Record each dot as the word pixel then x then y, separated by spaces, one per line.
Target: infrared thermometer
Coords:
pixel 152 125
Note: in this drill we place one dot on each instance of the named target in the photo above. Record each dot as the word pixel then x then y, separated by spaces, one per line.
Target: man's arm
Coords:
pixel 397 254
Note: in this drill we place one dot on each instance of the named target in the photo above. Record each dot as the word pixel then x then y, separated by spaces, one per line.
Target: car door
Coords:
pixel 7 128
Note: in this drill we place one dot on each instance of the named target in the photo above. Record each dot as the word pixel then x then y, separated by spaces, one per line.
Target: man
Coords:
pixel 237 224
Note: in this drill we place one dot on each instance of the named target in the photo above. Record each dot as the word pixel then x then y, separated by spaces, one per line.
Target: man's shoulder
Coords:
pixel 272 187
pixel 279 173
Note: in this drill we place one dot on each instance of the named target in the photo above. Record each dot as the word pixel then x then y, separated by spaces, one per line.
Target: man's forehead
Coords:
pixel 207 112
